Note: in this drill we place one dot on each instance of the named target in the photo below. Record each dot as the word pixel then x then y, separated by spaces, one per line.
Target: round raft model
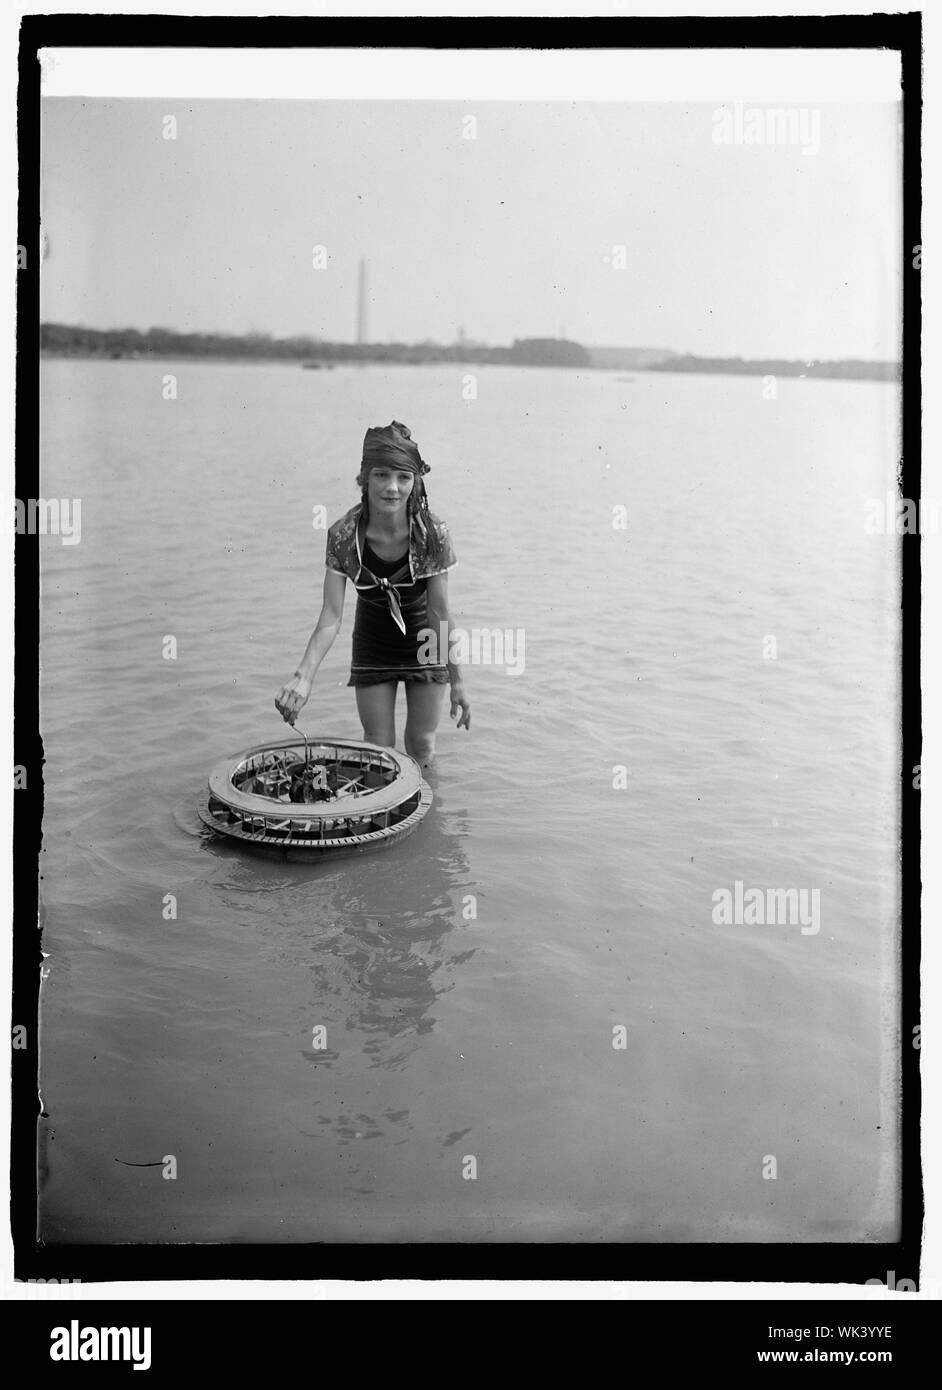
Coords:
pixel 311 797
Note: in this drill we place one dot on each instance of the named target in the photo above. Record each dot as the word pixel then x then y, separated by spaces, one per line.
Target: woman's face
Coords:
pixel 388 490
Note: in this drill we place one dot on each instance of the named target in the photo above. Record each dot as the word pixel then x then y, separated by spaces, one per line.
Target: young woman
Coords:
pixel 397 555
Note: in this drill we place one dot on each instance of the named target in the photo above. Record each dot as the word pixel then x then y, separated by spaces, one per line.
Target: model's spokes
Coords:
pixel 353 782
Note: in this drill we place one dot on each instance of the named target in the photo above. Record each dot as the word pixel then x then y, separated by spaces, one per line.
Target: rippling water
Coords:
pixel 447 1038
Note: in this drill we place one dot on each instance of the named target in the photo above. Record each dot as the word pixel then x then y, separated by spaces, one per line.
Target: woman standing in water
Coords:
pixel 397 555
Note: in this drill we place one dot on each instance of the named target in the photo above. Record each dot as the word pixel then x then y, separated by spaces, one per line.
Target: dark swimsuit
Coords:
pixel 381 652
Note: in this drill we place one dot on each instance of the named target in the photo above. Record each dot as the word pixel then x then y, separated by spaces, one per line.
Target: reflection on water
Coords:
pixel 373 941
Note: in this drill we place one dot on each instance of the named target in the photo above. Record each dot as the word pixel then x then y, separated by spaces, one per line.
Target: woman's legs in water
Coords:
pixel 376 706
pixel 424 706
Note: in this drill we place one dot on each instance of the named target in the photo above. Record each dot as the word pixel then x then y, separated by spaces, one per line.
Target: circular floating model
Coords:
pixel 311 797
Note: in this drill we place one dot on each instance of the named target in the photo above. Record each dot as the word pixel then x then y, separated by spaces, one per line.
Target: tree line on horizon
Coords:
pixel 66 340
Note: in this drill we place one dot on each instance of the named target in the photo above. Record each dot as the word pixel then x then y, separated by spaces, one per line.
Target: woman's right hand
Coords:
pixel 293 697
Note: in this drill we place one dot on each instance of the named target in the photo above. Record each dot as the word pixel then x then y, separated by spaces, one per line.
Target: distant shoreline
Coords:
pixel 157 344
pixel 825 371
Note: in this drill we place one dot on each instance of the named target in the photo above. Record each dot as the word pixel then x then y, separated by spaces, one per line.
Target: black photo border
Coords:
pixel 823 1263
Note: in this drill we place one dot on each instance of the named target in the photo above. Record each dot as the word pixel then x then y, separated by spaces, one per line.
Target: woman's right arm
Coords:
pixel 294 696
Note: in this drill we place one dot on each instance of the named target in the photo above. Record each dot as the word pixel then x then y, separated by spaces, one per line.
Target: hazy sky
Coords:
pixel 731 249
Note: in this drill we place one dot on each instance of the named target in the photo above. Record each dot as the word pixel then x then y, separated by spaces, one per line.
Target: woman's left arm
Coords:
pixel 439 619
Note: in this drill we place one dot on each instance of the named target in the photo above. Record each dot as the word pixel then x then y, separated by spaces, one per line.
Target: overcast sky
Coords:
pixel 731 249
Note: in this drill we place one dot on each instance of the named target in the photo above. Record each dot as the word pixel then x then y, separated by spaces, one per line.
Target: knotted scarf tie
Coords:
pixel 388 587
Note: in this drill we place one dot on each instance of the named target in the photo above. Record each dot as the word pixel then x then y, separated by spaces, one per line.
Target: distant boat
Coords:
pixel 318 366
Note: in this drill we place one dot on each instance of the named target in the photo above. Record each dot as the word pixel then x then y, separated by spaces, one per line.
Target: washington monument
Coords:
pixel 362 331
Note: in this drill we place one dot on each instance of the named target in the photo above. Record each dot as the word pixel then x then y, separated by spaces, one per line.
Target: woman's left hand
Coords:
pixel 459 699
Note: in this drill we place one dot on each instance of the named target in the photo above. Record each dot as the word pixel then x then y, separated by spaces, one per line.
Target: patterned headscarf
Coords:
pixel 392 446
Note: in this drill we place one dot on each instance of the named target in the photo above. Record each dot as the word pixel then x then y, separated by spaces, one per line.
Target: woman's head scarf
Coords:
pixel 392 446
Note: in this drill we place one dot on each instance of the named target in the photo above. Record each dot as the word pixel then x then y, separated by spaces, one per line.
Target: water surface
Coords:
pixel 453 1037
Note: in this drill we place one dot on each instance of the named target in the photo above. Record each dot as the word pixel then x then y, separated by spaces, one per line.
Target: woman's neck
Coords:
pixel 388 528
